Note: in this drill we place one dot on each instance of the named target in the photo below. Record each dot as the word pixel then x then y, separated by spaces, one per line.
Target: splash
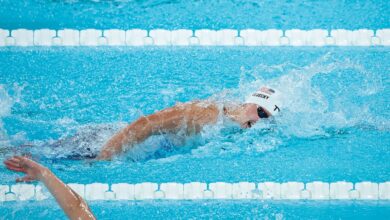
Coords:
pixel 78 142
pixel 318 96
pixel 8 98
pixel 322 99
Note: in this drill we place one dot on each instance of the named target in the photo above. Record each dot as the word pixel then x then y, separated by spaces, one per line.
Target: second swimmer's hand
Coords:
pixel 33 170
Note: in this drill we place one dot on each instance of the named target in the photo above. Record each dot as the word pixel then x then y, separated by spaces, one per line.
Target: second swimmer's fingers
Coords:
pixel 13 168
pixel 26 162
pixel 21 159
pixel 12 164
pixel 14 160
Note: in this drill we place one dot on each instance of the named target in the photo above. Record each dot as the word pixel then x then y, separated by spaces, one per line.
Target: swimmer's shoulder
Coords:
pixel 196 103
pixel 197 106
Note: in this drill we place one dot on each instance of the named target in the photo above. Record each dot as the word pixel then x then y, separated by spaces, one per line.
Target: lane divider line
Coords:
pixel 202 37
pixel 292 190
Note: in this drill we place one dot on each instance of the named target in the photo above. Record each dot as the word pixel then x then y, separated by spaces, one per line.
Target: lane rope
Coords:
pixel 202 37
pixel 316 190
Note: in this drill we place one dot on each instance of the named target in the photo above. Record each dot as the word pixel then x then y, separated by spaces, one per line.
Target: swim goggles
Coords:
pixel 261 113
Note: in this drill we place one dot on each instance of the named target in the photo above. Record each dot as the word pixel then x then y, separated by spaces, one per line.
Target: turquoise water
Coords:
pixel 194 14
pixel 335 125
pixel 215 210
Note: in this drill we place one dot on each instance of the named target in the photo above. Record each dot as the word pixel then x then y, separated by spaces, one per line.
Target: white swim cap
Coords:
pixel 267 98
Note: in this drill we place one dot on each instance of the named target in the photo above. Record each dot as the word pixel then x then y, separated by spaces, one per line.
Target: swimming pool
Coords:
pixel 335 128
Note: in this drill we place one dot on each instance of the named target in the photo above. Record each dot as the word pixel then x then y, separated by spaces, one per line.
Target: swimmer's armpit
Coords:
pixel 73 205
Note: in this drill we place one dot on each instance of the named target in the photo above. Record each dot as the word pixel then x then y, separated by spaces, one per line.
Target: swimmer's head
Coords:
pixel 262 104
pixel 267 100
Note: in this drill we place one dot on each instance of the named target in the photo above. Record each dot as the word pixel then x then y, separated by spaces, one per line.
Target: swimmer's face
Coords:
pixel 249 116
pixel 252 113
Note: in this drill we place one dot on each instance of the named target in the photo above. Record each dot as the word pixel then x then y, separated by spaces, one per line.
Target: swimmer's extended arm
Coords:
pixel 73 205
pixel 164 121
pixel 192 116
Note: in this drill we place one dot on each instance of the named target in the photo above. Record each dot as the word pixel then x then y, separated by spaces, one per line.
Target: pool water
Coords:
pixel 212 209
pixel 196 14
pixel 335 125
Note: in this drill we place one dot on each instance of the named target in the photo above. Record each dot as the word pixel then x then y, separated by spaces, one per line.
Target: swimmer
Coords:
pixel 72 203
pixel 192 117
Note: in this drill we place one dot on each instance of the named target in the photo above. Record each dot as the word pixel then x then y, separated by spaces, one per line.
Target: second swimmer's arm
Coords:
pixel 73 205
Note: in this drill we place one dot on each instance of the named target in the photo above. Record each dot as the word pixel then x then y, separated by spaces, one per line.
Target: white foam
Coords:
pixel 6 103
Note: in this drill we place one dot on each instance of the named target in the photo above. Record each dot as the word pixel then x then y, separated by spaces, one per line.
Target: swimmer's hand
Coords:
pixel 72 203
pixel 33 170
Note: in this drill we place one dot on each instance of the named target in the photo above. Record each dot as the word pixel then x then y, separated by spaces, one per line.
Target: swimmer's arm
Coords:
pixel 169 120
pixel 72 204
